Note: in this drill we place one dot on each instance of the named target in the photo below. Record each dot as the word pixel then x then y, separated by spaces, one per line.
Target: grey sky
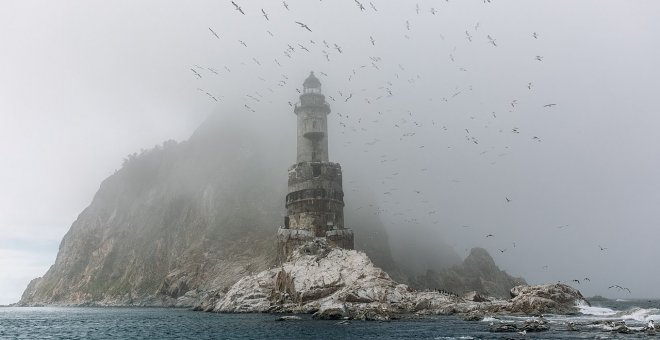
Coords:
pixel 84 83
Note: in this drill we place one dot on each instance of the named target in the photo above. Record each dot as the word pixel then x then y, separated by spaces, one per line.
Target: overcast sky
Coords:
pixel 532 121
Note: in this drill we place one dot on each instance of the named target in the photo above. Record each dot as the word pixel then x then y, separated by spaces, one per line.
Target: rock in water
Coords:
pixel 545 299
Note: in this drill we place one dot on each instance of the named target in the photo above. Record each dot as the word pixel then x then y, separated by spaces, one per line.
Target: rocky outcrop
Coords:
pixel 477 273
pixel 334 283
pixel 543 299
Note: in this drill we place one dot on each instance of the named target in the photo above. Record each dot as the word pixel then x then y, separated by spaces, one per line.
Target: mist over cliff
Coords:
pixel 193 217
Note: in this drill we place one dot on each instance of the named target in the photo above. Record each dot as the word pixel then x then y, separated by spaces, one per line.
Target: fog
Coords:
pixel 531 121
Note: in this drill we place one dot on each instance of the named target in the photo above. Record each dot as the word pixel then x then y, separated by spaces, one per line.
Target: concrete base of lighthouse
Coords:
pixel 290 239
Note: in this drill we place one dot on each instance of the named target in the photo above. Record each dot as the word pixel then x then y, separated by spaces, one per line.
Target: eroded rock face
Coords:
pixel 336 283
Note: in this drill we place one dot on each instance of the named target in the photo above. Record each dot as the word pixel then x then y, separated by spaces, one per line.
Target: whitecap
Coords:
pixel 594 310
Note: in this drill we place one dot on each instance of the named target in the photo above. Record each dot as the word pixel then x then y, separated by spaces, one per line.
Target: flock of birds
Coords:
pixel 371 101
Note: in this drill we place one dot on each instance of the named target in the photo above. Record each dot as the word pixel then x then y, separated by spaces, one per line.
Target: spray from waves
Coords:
pixel 640 314
pixel 634 314
pixel 596 311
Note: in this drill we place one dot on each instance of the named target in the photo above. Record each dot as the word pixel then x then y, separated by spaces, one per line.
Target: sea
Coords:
pixel 170 323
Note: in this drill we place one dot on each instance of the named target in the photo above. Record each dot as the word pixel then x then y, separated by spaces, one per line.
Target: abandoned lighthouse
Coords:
pixel 315 199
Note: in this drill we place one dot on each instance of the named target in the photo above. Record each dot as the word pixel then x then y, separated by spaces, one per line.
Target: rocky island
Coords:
pixel 191 224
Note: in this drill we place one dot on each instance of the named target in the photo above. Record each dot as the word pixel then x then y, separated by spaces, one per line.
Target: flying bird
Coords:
pixel 492 41
pixel 490 235
pixel 601 248
pixel 359 5
pixel 303 26
pixel 373 7
pixel 373 42
pixel 338 48
pixel 539 58
pixel 507 199
pixel 549 105
pixel 536 36
pixel 578 281
pixel 238 8
pixel 212 31
pixel 502 250
pixel 285 5
pixel 264 14
pixel 242 43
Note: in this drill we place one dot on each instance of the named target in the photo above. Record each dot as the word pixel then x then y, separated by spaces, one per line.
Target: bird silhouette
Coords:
pixel 212 31
pixel 238 8
pixel 264 14
pixel 303 25
pixel 285 5
pixel 359 5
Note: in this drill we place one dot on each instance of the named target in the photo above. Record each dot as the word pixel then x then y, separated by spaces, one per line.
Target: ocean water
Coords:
pixel 164 323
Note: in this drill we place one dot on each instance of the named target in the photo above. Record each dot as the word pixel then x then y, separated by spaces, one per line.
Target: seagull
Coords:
pixel 539 58
pixel 536 36
pixel 492 41
pixel 303 25
pixel 502 250
pixel 587 279
pixel 242 43
pixel 338 48
pixel 490 235
pixel 529 86
pixel 238 8
pixel 578 281
pixel 264 14
pixel 196 73
pixel 373 42
pixel 549 105
pixel 507 199
pixel 601 248
pixel 373 7
pixel 359 5
pixel 212 31
pixel 285 5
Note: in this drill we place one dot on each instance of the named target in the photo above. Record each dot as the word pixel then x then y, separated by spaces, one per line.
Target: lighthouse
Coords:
pixel 315 199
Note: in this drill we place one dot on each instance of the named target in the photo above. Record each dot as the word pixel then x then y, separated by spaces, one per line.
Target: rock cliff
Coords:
pixel 180 223
pixel 478 273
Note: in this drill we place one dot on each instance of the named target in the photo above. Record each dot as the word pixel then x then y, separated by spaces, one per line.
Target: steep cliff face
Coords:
pixel 179 223
pixel 478 272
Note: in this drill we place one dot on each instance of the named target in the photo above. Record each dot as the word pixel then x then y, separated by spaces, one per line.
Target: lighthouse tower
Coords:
pixel 315 199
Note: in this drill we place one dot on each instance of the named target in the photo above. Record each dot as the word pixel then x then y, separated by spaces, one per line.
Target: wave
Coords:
pixel 596 311
pixel 640 314
pixel 634 314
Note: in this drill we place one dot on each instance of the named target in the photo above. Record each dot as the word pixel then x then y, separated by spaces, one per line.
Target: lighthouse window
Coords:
pixel 316 169
pixel 314 124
